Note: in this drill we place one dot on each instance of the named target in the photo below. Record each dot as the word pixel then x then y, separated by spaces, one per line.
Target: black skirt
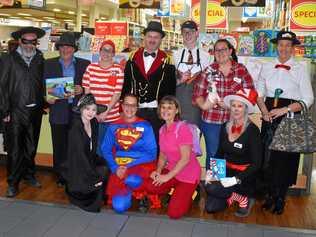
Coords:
pixel 281 167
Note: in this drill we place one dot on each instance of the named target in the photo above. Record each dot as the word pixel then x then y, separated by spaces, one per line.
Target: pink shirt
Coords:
pixel 170 144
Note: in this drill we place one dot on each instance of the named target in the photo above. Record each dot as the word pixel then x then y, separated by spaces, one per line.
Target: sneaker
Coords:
pixel 279 206
pixel 32 182
pixel 12 191
pixel 143 205
pixel 245 211
pixel 268 203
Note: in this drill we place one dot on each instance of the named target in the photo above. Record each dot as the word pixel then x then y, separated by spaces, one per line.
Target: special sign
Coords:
pixel 215 14
pixel 303 15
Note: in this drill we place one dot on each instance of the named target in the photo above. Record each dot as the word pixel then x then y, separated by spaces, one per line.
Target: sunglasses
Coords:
pixel 26 41
pixel 106 50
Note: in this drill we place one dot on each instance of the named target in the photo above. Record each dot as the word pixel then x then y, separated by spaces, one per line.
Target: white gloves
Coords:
pixel 228 181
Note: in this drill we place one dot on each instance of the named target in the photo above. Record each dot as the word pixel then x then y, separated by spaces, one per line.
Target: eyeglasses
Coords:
pixel 221 50
pixel 26 41
pixel 106 50
pixel 130 105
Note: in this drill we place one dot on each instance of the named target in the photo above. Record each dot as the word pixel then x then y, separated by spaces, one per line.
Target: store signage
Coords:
pixel 243 3
pixel 259 12
pixel 139 4
pixel 164 8
pixel 111 28
pixel 216 15
pixel 6 3
pixel 303 15
pixel 177 7
pixel 37 3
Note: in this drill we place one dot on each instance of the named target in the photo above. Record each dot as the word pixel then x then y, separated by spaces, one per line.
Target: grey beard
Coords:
pixel 28 53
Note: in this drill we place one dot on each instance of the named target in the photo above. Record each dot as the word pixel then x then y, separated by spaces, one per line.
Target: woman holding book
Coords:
pixel 240 146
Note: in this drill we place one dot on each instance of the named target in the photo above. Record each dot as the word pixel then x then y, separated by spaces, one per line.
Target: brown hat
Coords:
pixel 30 29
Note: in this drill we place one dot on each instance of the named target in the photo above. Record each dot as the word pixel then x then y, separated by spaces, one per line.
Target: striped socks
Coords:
pixel 242 200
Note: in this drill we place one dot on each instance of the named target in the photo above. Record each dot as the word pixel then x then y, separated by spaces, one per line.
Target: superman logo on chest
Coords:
pixel 127 137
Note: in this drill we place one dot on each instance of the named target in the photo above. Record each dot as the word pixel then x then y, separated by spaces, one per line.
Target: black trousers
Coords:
pixel 150 114
pixel 60 141
pixel 21 142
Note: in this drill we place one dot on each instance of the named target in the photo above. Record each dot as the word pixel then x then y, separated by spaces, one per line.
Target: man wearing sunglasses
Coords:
pixel 190 61
pixel 21 106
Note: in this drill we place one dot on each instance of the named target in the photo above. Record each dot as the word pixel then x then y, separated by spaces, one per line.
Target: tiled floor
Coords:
pixel 31 219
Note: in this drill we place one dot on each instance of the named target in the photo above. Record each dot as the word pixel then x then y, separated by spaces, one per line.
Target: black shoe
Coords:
pixel 33 182
pixel 12 191
pixel 279 206
pixel 268 203
pixel 143 205
pixel 245 211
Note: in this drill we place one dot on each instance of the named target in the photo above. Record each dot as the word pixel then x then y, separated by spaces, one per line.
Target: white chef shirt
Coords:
pixel 205 58
pixel 295 83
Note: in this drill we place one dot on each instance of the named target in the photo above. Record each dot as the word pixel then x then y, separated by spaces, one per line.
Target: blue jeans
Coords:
pixel 211 132
pixel 102 130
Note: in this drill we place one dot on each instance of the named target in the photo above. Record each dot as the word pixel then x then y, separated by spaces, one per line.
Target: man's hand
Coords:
pixel 275 113
pixel 78 90
pixel 51 101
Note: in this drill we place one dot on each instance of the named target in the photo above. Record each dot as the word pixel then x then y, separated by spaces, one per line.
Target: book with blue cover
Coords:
pixel 60 88
pixel 217 169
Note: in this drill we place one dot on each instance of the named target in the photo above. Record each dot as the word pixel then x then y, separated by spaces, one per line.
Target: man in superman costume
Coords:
pixel 130 149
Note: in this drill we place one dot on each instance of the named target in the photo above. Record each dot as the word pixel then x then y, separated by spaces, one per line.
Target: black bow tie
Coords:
pixel 286 67
pixel 146 54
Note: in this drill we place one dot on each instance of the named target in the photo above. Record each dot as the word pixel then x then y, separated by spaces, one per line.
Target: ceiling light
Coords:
pixel 24 14
pixel 3 14
pixel 71 13
pixel 103 18
pixel 83 14
pixel 56 10
pixel 15 17
pixel 68 20
pixel 49 18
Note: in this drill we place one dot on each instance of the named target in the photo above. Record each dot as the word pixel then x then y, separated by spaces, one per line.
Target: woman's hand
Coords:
pixel 267 117
pixel 275 113
pixel 121 171
pixel 78 90
pixel 154 174
pixel 161 178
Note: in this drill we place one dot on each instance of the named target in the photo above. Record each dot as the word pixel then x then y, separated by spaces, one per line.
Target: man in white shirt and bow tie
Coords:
pixel 150 75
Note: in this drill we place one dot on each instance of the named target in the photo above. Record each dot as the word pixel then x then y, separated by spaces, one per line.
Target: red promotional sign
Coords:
pixel 111 28
pixel 303 15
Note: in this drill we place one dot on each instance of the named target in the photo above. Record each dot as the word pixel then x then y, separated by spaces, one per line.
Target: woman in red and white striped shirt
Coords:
pixel 105 81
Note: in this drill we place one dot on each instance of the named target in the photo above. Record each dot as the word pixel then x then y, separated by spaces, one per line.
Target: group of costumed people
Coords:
pixel 147 146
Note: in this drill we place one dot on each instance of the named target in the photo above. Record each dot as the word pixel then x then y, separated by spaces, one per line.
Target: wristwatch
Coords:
pixel 289 109
pixel 238 181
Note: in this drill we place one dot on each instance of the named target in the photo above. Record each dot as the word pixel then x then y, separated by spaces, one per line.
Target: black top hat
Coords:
pixel 67 38
pixel 30 29
pixel 189 25
pixel 286 35
pixel 155 26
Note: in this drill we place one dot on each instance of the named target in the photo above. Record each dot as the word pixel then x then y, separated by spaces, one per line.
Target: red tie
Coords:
pixel 286 67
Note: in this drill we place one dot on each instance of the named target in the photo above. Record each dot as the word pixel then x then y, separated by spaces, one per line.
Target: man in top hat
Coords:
pixel 150 75
pixel 282 83
pixel 189 61
pixel 21 106
pixel 66 65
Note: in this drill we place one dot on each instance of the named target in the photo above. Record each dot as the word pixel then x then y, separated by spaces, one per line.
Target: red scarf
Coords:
pixel 236 129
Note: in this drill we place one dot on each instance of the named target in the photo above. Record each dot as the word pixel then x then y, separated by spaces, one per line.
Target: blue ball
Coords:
pixel 121 203
pixel 133 181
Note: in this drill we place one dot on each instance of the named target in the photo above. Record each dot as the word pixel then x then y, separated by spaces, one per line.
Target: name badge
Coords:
pixel 238 80
pixel 237 145
pixel 139 129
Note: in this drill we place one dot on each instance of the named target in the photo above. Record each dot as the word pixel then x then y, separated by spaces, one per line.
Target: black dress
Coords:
pixel 80 169
pixel 245 150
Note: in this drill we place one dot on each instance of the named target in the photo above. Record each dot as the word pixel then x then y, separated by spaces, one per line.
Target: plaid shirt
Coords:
pixel 237 79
